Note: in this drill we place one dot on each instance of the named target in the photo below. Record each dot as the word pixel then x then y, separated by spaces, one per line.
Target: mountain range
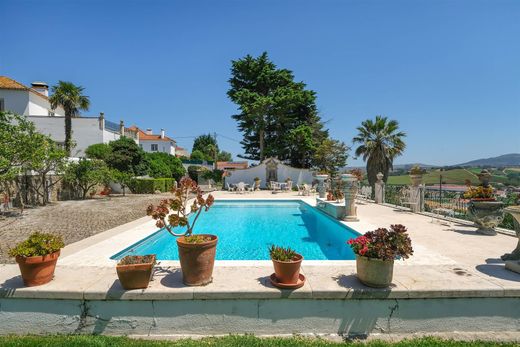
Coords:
pixel 506 160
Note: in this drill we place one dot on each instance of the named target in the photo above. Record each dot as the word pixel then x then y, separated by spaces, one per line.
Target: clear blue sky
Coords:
pixel 448 71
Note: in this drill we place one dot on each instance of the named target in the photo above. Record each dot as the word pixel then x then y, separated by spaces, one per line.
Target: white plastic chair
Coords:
pixel 241 188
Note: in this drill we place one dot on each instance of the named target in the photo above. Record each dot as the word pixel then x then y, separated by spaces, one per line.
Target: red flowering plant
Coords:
pixel 383 244
pixel 174 212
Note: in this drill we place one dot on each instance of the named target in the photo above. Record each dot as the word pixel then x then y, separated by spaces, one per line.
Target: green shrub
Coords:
pixel 37 244
pixel 142 186
pixel 151 185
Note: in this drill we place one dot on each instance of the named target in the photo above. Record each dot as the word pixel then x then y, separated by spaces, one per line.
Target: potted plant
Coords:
pixel 486 212
pixel 376 251
pixel 416 175
pixel 37 257
pixel 286 263
pixel 135 271
pixel 257 183
pixel 196 252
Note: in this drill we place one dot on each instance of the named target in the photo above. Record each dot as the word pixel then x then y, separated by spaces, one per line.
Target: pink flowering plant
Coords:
pixel 174 212
pixel 383 244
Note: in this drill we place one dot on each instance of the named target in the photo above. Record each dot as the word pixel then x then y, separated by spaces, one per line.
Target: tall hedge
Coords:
pixel 151 185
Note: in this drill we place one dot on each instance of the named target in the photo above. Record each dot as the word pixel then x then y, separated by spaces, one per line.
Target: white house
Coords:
pixel 22 100
pixel 151 142
pixel 34 103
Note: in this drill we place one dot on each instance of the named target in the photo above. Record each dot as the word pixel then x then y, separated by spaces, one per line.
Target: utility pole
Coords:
pixel 215 151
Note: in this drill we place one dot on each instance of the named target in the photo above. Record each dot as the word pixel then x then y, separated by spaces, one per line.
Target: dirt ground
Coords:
pixel 74 220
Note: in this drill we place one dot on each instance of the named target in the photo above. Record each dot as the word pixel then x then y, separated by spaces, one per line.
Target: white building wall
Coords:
pixel 85 131
pixel 27 103
pixel 15 101
pixel 163 146
pixel 298 176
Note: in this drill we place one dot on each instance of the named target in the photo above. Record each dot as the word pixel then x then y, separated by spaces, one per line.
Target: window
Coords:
pixel 155 147
pixel 2 105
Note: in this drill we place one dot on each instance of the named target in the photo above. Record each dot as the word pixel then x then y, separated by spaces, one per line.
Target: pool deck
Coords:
pixel 450 261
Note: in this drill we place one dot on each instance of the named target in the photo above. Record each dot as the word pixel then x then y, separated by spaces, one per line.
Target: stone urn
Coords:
pixel 373 272
pixel 513 258
pixel 416 180
pixel 257 184
pixel 321 184
pixel 487 215
pixel 350 190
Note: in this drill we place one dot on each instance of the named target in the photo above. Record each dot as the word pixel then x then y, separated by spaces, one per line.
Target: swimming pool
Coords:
pixel 246 228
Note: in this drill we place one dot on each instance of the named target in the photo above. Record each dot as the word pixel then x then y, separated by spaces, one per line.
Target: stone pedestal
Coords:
pixel 379 190
pixel 321 185
pixel 513 258
pixel 350 189
pixel 415 195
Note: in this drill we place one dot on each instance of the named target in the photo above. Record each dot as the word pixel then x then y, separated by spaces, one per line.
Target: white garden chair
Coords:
pixel 241 188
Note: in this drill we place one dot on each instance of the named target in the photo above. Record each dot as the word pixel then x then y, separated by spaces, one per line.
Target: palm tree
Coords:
pixel 71 98
pixel 380 142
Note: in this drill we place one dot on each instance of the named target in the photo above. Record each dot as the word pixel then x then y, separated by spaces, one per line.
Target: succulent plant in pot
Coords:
pixel 376 251
pixel 286 263
pixel 196 252
pixel 135 271
pixel 37 257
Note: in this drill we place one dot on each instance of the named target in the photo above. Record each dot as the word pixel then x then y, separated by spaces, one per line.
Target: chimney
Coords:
pixel 41 87
pixel 162 133
pixel 149 131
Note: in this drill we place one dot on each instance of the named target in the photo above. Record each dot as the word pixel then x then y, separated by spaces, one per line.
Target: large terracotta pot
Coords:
pixel 136 276
pixel 197 260
pixel 37 270
pixel 373 272
pixel 487 215
pixel 288 272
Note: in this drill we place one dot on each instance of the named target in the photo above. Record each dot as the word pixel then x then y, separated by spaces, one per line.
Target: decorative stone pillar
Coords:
pixel 121 128
pixel 379 189
pixel 350 190
pixel 513 259
pixel 101 121
pixel 321 185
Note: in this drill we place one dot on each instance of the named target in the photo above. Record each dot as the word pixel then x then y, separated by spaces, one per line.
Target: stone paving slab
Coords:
pixel 252 282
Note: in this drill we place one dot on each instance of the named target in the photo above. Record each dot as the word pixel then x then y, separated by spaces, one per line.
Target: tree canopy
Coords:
pixel 205 147
pixel 330 156
pixel 272 105
pixel 126 156
pixel 71 98
pixel 380 141
pixel 164 165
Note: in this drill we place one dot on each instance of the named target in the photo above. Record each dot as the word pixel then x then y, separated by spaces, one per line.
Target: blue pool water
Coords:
pixel 246 229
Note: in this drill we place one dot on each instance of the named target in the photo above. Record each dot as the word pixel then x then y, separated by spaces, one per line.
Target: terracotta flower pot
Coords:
pixel 37 270
pixel 288 272
pixel 373 272
pixel 197 260
pixel 138 275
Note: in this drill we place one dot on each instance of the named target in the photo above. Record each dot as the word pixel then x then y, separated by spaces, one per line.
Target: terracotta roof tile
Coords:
pixel 9 83
pixel 144 136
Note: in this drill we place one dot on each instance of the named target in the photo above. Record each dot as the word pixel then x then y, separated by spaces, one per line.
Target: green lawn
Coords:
pixel 230 341
pixel 456 176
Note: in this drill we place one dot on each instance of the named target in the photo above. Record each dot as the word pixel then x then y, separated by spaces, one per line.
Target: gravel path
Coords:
pixel 74 220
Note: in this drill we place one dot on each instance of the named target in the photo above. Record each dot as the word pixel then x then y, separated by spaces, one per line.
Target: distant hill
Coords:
pixel 505 160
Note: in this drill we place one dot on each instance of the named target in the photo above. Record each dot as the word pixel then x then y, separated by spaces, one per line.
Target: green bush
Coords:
pixel 150 185
pixel 37 244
